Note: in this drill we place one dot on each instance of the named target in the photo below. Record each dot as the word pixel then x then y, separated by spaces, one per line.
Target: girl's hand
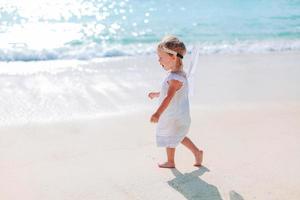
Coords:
pixel 155 117
pixel 152 95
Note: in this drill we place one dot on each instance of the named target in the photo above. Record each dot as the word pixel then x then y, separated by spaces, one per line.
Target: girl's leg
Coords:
pixel 197 153
pixel 170 163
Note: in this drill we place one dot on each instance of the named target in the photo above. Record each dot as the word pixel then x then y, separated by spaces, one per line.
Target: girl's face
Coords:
pixel 166 60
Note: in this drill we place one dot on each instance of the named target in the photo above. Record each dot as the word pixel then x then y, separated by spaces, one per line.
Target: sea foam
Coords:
pixel 87 52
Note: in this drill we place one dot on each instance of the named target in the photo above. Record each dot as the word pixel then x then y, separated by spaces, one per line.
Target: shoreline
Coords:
pixel 122 57
pixel 119 85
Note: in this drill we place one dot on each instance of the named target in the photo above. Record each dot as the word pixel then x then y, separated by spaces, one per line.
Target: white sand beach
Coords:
pixel 245 117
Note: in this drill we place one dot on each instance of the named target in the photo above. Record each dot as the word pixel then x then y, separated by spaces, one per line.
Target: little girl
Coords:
pixel 173 114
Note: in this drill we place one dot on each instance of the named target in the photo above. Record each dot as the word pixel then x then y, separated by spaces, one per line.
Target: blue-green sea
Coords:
pixel 85 29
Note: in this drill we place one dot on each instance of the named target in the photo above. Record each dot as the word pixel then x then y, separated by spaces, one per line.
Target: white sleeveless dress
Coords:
pixel 174 122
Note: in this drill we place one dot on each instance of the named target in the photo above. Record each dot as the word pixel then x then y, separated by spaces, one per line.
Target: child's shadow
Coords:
pixel 192 187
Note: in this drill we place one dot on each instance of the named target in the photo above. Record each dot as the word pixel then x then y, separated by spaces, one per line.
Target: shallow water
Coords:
pixel 64 90
pixel 47 91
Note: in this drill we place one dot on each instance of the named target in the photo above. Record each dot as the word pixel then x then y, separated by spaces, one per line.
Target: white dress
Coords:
pixel 174 122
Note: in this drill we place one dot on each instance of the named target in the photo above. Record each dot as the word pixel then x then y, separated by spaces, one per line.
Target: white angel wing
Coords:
pixel 192 67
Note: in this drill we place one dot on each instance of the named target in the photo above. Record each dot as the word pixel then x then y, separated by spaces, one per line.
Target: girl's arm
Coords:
pixel 152 95
pixel 174 85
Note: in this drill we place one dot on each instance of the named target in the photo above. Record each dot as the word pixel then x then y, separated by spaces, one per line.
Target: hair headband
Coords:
pixel 165 49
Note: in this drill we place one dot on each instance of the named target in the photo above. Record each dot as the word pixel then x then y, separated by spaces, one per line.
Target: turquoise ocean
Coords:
pixel 84 29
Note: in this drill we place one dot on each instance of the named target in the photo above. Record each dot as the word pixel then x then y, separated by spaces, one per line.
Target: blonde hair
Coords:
pixel 172 43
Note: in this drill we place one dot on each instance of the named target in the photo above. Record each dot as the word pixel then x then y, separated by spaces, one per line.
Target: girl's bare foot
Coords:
pixel 198 158
pixel 167 165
